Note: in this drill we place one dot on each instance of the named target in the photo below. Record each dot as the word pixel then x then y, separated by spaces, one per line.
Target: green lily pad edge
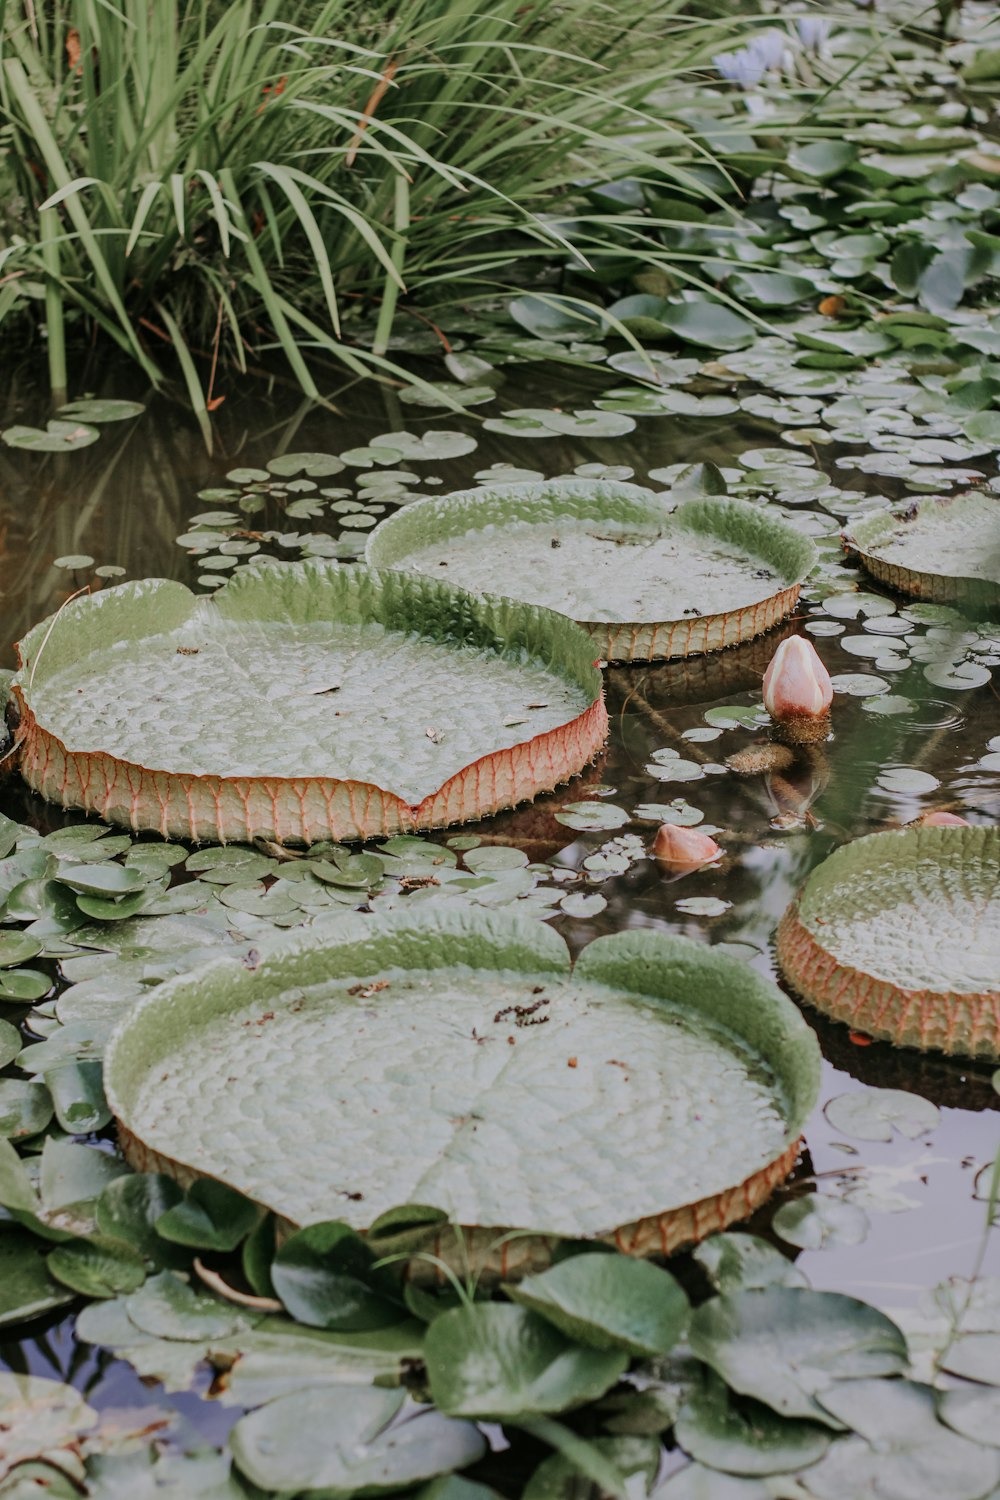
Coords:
pixel 576 545
pixel 362 1095
pixel 301 702
pixel 945 548
pixel 898 935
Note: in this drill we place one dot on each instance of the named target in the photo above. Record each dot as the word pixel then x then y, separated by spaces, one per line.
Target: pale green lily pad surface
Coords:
pixel 936 548
pixel 920 907
pixel 451 1061
pixel 898 934
pixel 603 553
pixel 298 672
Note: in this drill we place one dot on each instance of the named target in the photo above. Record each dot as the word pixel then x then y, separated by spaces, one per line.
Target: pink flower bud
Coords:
pixel 796 683
pixel 684 846
pixel 941 820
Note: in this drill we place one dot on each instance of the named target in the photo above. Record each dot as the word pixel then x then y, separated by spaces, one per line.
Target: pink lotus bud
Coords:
pixel 941 820
pixel 684 846
pixel 797 690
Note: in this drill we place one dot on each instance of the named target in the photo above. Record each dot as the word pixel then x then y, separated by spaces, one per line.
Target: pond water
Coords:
pixel 900 745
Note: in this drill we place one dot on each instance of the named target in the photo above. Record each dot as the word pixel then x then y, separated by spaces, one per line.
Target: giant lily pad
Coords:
pixel 650 1097
pixel 946 549
pixel 303 701
pixel 648 579
pixel 898 934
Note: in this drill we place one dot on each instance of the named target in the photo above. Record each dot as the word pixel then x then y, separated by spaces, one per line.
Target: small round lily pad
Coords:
pixel 898 934
pixel 303 701
pixel 943 548
pixel 648 578
pixel 648 1097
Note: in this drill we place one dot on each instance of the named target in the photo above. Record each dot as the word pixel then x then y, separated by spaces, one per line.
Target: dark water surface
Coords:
pixel 125 500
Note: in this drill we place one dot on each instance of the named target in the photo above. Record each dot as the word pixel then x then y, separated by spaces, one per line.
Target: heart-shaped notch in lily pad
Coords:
pixel 898 934
pixel 946 549
pixel 649 1096
pixel 303 701
pixel 648 578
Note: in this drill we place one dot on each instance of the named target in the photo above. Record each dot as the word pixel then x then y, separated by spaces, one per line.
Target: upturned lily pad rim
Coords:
pixel 647 964
pixel 435 518
pixel 932 1018
pixel 868 536
pixel 299 593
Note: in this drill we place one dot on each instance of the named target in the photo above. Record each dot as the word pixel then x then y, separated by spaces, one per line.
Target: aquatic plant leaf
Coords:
pixel 130 1207
pixel 592 816
pixel 736 1260
pixel 57 437
pixel 504 1363
pixel 822 159
pixel 349 1440
pixel 279 1356
pixel 901 1450
pixel 785 1346
pixel 26 1288
pixel 10 1043
pixel 646 579
pixel 110 880
pixel 263 720
pixel 315 465
pixel 877 1114
pixel 973 1412
pixel 898 934
pixel 25 1108
pixel 608 1302
pixel 323 1276
pixel 770 288
pixel 942 549
pixel 169 1308
pixel 77 1091
pixel 644 1017
pixel 75 1174
pixel 94 409
pixel 702 322
pixel 210 1216
pixel 819 1222
pixel 747 1437
pixel 600 1460
pixel 97 1267
pixel 974 1356
pixel 696 1482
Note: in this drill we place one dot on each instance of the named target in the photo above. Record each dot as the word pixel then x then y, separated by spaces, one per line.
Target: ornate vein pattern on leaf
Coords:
pixel 609 555
pixel 344 701
pixel 416 1094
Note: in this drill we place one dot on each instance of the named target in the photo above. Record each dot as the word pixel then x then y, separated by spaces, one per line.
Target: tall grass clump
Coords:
pixel 226 178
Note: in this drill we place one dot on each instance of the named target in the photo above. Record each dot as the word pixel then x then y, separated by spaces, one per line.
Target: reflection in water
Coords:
pixel 125 500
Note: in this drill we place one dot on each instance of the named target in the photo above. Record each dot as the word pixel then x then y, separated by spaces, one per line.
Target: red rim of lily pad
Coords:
pixel 545 521
pixel 881 928
pixel 79 766
pixel 945 548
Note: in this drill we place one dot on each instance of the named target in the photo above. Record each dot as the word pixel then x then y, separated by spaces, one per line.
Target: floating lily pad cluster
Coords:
pixel 863 356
